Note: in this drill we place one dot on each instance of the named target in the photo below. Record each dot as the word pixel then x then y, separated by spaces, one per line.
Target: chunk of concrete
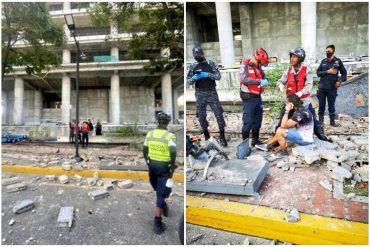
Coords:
pixel 345 166
pixel 63 179
pixel 293 216
pixel 363 172
pixel 98 194
pixel 125 184
pixel 332 165
pixel 338 190
pixel 295 162
pixel 333 155
pixel 357 177
pixel 342 172
pixel 11 222
pixel 50 177
pixel 108 185
pixel 324 145
pixel 23 206
pixel 91 181
pixel 66 167
pixel 326 184
pixel 16 187
pixel 65 217
pixel 78 178
pixel 306 154
pixel 9 181
pixel 347 145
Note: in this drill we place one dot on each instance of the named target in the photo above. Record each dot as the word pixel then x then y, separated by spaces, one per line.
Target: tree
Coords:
pixel 31 23
pixel 154 25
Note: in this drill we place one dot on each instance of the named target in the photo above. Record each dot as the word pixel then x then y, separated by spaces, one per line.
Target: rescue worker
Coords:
pixel 160 154
pixel 298 80
pixel 204 73
pixel 329 83
pixel 252 83
pixel 85 133
pixel 98 128
pixel 298 129
pixel 71 132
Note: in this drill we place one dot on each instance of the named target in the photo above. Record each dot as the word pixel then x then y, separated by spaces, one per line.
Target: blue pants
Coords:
pixel 252 115
pixel 209 97
pixel 310 108
pixel 158 175
pixel 327 95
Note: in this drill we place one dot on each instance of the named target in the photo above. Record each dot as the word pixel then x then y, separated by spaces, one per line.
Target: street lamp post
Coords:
pixel 71 26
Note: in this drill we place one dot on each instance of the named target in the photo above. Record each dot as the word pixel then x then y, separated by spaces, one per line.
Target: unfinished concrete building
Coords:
pixel 113 88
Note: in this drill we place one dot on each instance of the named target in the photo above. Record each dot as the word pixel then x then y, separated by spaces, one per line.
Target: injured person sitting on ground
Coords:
pixel 298 129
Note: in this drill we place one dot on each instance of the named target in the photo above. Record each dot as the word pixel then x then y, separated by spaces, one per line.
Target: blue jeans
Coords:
pixel 330 95
pixel 252 114
pixel 293 136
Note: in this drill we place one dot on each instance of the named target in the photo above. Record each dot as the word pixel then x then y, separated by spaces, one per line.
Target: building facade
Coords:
pixel 112 88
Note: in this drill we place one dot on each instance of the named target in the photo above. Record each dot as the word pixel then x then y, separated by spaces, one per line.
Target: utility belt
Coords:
pixel 247 96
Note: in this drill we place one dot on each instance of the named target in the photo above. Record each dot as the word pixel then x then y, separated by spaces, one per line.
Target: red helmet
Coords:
pixel 262 56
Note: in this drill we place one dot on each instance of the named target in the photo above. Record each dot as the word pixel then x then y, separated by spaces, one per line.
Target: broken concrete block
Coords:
pixel 53 163
pixel 324 145
pixel 98 194
pixel 11 222
pixel 16 187
pixel 280 163
pixel 63 179
pixel 78 167
pixel 285 168
pixel 350 196
pixel 352 154
pixel 347 145
pixel 308 155
pixel 363 172
pixel 65 217
pixel 333 155
pixel 345 166
pixel 23 206
pixel 91 181
pixel 108 185
pixel 50 177
pixel 331 165
pixel 9 181
pixel 100 183
pixel 293 216
pixel 78 178
pixel 66 167
pixel 357 177
pixel 246 241
pixel 294 162
pixel 338 190
pixel 326 184
pixel 343 172
pixel 336 177
pixel 125 184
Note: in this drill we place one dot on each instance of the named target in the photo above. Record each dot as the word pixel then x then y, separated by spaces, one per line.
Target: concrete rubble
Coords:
pixel 63 179
pixel 23 206
pixel 126 184
pixel 98 194
pixel 65 217
pixel 293 216
pixel 16 187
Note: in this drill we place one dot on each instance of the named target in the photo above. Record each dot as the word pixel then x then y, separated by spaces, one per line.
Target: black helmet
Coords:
pixel 163 118
pixel 299 52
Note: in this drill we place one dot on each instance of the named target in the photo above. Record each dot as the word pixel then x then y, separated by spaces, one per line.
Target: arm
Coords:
pixel 283 79
pixel 189 77
pixel 172 145
pixel 146 152
pixel 320 71
pixel 287 123
pixel 244 76
pixel 215 75
pixel 343 72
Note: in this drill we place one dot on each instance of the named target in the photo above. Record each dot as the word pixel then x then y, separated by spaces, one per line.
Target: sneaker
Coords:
pixel 159 226
pixel 281 154
pixel 263 147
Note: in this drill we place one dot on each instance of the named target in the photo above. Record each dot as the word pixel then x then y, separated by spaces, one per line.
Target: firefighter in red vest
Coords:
pixel 252 83
pixel 298 79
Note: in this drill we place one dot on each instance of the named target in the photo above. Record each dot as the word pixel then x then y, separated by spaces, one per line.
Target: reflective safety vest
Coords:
pixel 252 73
pixel 296 82
pixel 157 142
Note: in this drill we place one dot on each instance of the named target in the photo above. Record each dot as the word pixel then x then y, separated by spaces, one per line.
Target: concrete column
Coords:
pixel 245 14
pixel 66 9
pixel 175 104
pixel 225 33
pixel 192 35
pixel 115 108
pixel 38 106
pixel 114 51
pixel 66 6
pixel 18 101
pixel 66 56
pixel 166 86
pixel 4 107
pixel 308 30
pixel 66 99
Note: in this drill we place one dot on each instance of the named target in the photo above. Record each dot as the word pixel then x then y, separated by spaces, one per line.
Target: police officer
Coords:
pixel 329 83
pixel 160 155
pixel 252 83
pixel 298 80
pixel 204 73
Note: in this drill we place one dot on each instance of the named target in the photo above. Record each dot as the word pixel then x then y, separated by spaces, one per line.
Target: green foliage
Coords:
pixel 155 26
pixel 31 23
pixel 356 189
pixel 275 74
pixel 129 131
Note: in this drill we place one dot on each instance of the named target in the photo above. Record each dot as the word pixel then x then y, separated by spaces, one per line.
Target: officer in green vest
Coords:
pixel 160 155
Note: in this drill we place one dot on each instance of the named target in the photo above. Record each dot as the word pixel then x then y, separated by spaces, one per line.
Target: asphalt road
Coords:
pixel 125 217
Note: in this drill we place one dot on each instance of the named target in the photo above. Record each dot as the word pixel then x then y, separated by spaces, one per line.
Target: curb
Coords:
pixel 133 175
pixel 269 223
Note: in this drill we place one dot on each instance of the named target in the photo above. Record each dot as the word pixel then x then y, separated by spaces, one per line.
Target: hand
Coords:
pixel 281 87
pixel 196 77
pixel 338 84
pixel 288 106
pixel 264 82
pixel 203 75
pixel 332 71
pixel 299 94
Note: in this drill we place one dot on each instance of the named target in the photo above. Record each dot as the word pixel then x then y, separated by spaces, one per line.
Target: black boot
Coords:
pixel 321 119
pixel 255 137
pixel 332 121
pixel 223 141
pixel 159 226
pixel 319 132
pixel 206 134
